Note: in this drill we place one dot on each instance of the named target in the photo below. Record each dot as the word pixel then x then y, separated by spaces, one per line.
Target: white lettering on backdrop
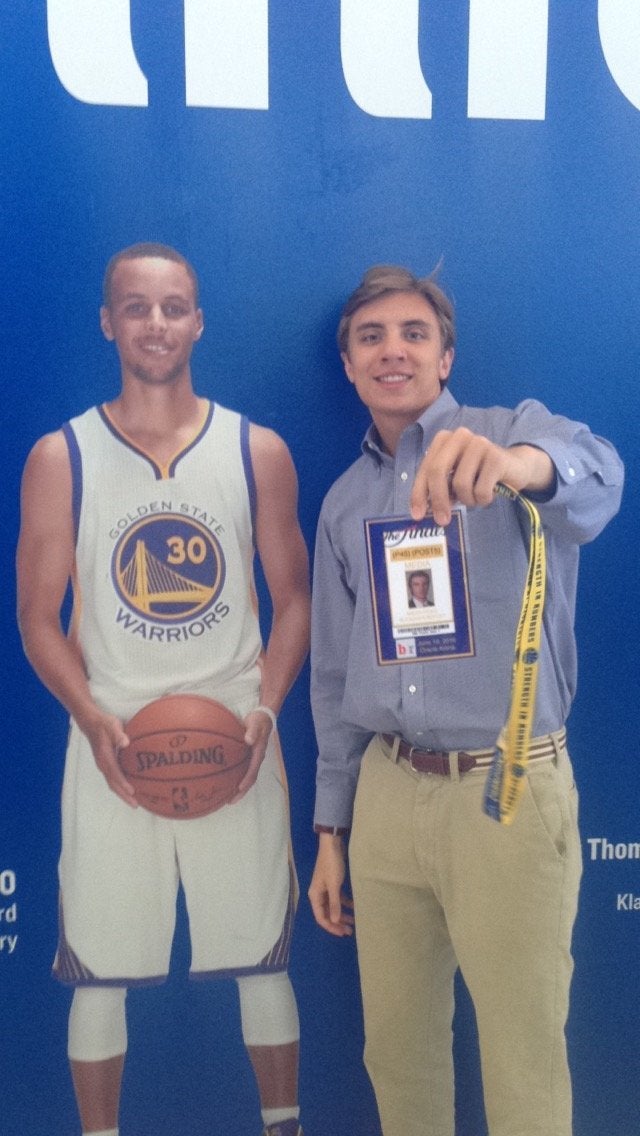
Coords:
pixel 226 45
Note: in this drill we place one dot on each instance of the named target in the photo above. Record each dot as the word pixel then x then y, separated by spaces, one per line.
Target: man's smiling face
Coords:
pixel 395 360
pixel 153 318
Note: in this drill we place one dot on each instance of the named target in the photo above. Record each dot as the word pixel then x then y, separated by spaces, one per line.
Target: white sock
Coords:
pixel 272 1115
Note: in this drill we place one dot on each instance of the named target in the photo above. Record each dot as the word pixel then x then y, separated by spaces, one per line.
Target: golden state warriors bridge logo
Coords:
pixel 168 568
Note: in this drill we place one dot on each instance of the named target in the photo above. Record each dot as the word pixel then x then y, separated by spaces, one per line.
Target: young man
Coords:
pixel 163 476
pixel 437 884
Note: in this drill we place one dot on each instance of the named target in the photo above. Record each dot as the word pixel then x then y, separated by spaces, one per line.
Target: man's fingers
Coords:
pixel 432 488
pixel 459 466
pixel 330 913
pixel 117 781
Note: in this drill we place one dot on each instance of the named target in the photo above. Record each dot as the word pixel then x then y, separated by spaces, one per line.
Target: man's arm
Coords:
pixel 464 467
pixel 331 906
pixel 285 563
pixel 575 476
pixel 44 563
pixel 341 745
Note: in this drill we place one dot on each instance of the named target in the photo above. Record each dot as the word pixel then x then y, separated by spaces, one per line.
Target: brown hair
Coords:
pixel 138 252
pixel 382 280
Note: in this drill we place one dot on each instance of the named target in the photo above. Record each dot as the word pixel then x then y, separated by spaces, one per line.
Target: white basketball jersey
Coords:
pixel 163 589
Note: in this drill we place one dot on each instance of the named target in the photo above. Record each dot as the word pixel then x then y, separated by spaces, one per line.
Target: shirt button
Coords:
pixel 571 471
pixel 412 689
pixel 404 475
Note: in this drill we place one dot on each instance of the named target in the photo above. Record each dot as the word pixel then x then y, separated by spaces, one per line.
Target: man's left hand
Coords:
pixel 464 468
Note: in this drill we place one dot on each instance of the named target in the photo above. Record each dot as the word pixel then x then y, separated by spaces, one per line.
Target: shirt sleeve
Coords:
pixel 589 472
pixel 340 744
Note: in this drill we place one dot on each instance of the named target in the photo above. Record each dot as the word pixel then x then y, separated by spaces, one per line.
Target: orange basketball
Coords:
pixel 186 755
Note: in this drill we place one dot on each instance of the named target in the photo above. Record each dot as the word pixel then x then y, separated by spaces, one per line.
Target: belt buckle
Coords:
pixel 422 772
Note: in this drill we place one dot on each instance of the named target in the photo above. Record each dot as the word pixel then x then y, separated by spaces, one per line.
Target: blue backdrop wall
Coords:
pixel 284 147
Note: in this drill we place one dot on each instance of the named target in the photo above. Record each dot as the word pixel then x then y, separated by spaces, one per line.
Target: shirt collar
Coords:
pixel 435 417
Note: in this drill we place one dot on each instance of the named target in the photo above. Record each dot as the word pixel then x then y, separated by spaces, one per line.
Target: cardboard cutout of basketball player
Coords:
pixel 153 505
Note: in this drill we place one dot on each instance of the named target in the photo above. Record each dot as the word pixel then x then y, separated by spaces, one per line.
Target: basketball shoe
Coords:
pixel 284 1128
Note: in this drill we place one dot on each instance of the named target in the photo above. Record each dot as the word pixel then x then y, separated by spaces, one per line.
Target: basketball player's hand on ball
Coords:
pixel 258 730
pixel 106 737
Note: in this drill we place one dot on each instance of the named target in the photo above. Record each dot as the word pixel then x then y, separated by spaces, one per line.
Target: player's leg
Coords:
pixel 97 1046
pixel 270 1029
pixel 404 954
pixel 240 892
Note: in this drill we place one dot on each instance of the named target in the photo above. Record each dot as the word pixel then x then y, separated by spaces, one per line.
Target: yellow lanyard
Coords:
pixel 506 778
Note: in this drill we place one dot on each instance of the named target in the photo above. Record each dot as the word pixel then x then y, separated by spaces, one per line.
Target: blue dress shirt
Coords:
pixel 454 703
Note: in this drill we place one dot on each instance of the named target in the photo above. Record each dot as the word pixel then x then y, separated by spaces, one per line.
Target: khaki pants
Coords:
pixel 437 885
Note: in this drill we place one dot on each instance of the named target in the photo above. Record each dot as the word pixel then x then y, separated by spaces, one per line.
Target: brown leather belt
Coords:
pixel 438 761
